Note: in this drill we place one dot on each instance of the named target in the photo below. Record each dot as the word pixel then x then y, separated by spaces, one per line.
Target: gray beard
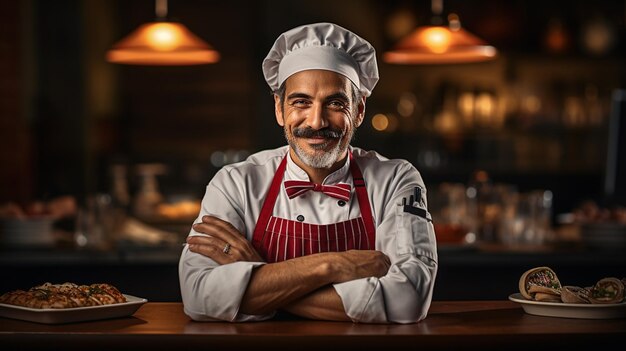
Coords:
pixel 320 159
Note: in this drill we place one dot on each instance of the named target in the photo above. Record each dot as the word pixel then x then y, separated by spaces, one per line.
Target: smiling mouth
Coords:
pixel 318 143
pixel 318 140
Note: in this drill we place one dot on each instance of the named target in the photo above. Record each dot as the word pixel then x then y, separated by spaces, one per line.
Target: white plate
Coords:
pixel 571 310
pixel 70 315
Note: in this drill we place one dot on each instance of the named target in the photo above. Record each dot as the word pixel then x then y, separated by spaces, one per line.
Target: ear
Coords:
pixel 278 111
pixel 360 115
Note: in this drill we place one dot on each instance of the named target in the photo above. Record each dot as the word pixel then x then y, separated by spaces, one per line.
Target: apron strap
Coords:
pixel 270 200
pixel 364 202
pixel 268 205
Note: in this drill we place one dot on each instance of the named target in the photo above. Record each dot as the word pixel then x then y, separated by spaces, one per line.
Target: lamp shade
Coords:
pixel 440 45
pixel 162 43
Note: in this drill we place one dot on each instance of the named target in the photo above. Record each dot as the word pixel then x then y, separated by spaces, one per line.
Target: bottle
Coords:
pixel 148 197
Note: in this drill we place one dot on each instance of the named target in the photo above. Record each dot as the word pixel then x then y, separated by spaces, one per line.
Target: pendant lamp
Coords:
pixel 162 43
pixel 440 43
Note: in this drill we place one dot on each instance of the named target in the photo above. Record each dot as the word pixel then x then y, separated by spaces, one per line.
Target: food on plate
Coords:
pixel 535 289
pixel 574 294
pixel 545 294
pixel 66 295
pixel 540 281
pixel 545 297
pixel 607 290
pixel 542 284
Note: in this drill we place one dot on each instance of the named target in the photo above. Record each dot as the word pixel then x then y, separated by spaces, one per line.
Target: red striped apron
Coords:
pixel 279 239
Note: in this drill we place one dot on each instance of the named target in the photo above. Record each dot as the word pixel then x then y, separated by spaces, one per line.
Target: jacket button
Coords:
pixel 300 218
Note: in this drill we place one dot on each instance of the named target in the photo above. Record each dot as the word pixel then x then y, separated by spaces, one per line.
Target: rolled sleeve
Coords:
pixel 404 294
pixel 213 293
pixel 357 296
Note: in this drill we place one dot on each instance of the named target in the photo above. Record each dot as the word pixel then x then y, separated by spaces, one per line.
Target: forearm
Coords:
pixel 275 285
pixel 323 304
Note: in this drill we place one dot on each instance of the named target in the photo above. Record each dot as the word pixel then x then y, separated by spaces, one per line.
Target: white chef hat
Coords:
pixel 324 46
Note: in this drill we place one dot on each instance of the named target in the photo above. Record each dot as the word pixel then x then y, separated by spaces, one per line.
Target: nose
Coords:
pixel 317 117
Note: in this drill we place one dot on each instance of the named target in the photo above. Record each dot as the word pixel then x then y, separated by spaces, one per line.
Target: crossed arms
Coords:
pixel 301 286
pixel 359 285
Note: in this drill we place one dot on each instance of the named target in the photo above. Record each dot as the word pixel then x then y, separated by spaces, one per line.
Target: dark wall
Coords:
pixel 59 118
pixel 84 114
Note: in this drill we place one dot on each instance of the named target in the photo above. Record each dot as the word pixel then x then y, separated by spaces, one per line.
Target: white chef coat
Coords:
pixel 213 292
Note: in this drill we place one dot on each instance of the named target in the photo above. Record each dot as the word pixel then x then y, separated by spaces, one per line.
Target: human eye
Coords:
pixel 337 105
pixel 300 103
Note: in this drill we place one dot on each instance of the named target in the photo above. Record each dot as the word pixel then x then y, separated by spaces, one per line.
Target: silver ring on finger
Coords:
pixel 226 248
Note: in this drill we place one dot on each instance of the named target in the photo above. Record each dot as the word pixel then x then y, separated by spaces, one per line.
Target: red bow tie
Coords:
pixel 296 188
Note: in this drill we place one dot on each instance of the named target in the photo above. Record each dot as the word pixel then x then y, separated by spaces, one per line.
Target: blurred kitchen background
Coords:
pixel 103 165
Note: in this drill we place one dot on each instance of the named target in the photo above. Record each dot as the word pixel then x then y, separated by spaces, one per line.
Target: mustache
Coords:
pixel 308 132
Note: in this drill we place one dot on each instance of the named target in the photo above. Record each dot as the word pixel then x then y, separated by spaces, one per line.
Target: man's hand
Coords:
pixel 220 234
pixel 355 264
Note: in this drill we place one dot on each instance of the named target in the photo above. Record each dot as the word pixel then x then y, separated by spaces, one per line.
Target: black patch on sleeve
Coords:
pixel 418 211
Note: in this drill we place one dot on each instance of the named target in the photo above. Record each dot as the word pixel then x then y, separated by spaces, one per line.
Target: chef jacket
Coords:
pixel 404 232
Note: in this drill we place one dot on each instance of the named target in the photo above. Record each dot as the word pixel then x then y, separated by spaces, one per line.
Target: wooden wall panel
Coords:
pixel 15 154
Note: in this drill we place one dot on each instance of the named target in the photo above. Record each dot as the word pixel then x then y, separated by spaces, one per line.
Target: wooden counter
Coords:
pixel 450 325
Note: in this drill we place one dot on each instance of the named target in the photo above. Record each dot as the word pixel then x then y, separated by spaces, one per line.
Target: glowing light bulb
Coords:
pixel 437 39
pixel 164 37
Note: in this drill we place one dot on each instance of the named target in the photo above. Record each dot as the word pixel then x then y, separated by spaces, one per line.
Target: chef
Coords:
pixel 318 228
